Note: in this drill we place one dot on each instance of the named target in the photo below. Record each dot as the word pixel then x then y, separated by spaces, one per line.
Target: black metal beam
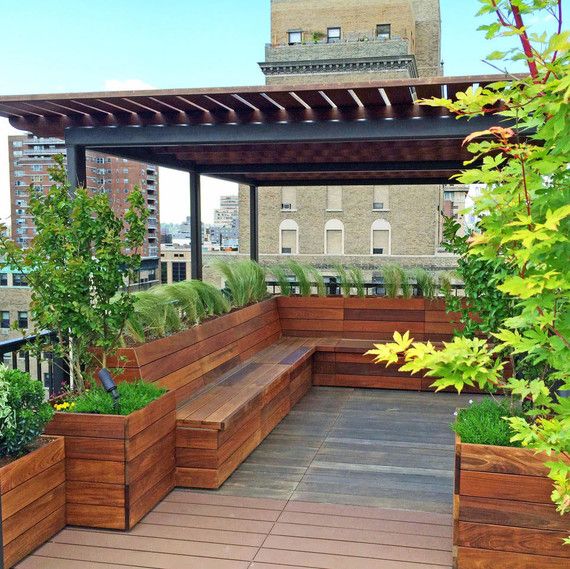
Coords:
pixel 411 166
pixel 146 155
pixel 76 165
pixel 253 223
pixel 372 181
pixel 416 128
pixel 195 227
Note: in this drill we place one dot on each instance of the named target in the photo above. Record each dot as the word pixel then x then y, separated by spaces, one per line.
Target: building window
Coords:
pixel 289 237
pixel 448 196
pixel 3 279
pixel 383 31
pixel 163 272
pixel 288 199
pixel 380 199
pixel 333 35
pixel 19 279
pixel 36 167
pixel 19 173
pixel 295 37
pixel 4 319
pixel 334 198
pixel 178 272
pixel 22 319
pixel 380 240
pixel 18 153
pixel 334 237
pixel 17 144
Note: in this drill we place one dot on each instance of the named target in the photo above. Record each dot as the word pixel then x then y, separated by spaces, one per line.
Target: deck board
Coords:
pixel 351 478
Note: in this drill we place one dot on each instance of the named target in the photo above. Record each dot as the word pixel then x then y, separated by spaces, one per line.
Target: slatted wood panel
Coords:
pixel 365 318
pixel 502 510
pixel 187 361
pixel 225 532
pixel 32 490
pixel 219 427
pixel 117 467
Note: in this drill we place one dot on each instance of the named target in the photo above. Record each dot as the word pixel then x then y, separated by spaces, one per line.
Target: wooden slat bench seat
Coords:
pixel 222 423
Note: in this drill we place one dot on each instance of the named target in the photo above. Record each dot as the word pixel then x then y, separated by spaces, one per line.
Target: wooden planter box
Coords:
pixel 118 467
pixel 32 499
pixel 503 515
pixel 186 361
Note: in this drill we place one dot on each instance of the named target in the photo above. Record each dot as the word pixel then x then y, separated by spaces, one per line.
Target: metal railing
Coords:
pixel 333 288
pixel 46 368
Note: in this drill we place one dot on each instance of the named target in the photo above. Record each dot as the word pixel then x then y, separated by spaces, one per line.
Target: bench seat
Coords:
pixel 222 423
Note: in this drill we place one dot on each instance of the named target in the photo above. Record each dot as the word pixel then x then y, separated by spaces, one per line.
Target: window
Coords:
pixel 333 35
pixel 380 241
pixel 448 196
pixel 178 272
pixel 334 198
pixel 380 199
pixel 3 279
pixel 289 237
pixel 18 153
pixel 22 319
pixel 17 144
pixel 383 31
pixel 295 36
pixel 19 279
pixel 4 319
pixel 288 199
pixel 163 272
pixel 19 173
pixel 36 167
pixel 334 237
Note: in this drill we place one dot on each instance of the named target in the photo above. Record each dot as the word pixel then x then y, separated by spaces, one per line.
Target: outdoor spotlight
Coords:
pixel 110 386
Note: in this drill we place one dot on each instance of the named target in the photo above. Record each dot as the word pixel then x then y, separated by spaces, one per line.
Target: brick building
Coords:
pixel 329 41
pixel 29 160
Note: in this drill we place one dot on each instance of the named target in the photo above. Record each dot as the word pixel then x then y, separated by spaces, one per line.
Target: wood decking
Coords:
pixel 208 531
pixel 350 479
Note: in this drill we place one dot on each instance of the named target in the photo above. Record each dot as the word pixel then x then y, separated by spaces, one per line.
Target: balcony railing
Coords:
pixel 46 368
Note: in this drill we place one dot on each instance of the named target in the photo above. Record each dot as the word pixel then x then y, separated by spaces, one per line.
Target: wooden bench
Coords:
pixel 237 376
pixel 224 422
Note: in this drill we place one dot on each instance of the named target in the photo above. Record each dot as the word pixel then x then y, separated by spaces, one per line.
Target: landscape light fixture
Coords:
pixel 110 387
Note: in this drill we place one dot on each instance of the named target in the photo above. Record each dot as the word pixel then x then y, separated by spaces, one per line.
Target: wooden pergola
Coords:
pixel 369 133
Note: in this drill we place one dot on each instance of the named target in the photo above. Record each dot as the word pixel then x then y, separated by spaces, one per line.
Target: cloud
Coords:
pixel 126 85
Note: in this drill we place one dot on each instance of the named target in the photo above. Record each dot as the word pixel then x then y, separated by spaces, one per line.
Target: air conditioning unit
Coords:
pixel 378 205
pixel 286 206
pixel 378 251
pixel 286 250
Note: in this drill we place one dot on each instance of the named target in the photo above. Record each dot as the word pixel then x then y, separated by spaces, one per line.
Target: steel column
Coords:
pixel 253 223
pixel 76 165
pixel 195 227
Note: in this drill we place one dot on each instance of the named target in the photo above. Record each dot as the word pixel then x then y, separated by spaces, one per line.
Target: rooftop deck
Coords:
pixel 351 478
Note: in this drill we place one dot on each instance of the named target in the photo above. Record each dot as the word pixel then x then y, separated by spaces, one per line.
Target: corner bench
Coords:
pixel 237 376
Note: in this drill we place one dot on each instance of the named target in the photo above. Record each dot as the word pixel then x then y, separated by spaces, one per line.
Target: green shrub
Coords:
pixel 345 281
pixel 301 275
pixel 245 280
pixel 319 280
pixel 132 397
pixel 484 423
pixel 357 280
pixel 23 411
pixel 425 282
pixel 392 280
pixel 282 278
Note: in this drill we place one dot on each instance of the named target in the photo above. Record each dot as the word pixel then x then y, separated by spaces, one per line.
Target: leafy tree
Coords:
pixel 77 266
pixel 480 278
pixel 525 221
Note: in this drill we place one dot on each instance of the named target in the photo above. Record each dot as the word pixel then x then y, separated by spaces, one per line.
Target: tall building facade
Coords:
pixel 29 160
pixel 348 41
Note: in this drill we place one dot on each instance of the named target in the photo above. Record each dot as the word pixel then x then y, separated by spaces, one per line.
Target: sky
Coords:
pixel 94 45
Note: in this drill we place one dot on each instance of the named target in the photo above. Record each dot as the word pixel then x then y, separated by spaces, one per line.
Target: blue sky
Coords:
pixel 80 45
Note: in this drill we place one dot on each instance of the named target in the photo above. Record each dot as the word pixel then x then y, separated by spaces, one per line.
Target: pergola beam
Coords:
pixel 253 223
pixel 195 227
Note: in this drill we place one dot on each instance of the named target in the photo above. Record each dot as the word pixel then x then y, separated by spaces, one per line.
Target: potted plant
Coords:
pixel 32 468
pixel 502 510
pixel 79 266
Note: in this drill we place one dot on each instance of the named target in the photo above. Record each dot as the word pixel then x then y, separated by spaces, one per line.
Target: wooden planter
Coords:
pixel 118 467
pixel 186 361
pixel 32 499
pixel 503 515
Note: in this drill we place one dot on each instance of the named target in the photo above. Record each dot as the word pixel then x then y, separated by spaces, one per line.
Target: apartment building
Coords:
pixel 29 160
pixel 15 297
pixel 330 42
